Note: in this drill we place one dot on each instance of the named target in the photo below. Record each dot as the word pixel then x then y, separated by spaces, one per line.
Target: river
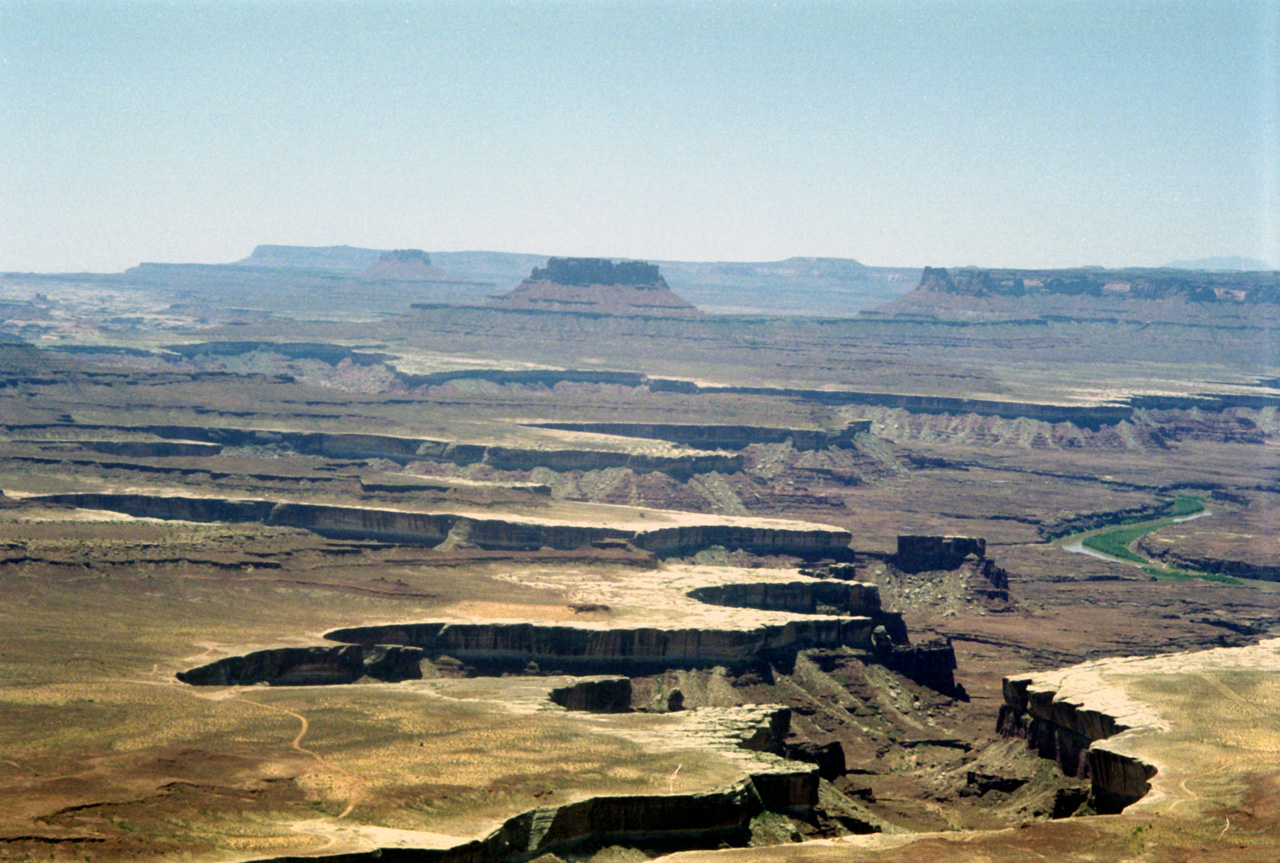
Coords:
pixel 1076 544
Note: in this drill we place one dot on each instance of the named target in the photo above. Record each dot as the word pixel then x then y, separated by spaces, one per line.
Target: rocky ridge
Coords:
pixel 686 536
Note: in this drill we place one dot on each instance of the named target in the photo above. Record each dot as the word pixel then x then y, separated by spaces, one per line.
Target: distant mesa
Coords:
pixel 402 265
pixel 941 288
pixel 597 286
pixel 407 265
pixel 340 259
pixel 584 272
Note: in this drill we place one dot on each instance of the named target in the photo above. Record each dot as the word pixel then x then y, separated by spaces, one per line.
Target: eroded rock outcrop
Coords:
pixel 403 450
pixel 921 553
pixel 582 272
pixel 798 597
pixel 310 666
pixel 596 286
pixel 608 695
pixel 723 436
pixel 805 543
pixel 1064 731
pixel 512 646
pixel 929 663
pixel 433 528
pixel 1092 417
pixel 852 598
pixel 1143 284
pixel 407 265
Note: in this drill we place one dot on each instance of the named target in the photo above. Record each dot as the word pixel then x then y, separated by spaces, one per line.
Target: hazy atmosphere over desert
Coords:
pixel 604 432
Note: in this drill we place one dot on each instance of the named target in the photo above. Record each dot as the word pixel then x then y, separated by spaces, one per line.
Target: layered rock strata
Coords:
pixel 432 528
pixel 722 436
pixel 310 666
pixel 1144 284
pixel 658 821
pixel 855 598
pixel 931 663
pixel 641 650
pixel 403 450
pixel 596 286
pixel 922 553
pixel 607 695
pixel 1064 731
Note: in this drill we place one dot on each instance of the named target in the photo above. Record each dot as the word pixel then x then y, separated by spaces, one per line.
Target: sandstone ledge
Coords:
pixel 661 532
pixel 1142 729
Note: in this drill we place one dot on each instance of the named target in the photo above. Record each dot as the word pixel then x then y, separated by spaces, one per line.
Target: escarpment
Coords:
pixel 403 450
pixel 920 553
pixel 310 666
pixel 1065 731
pixel 607 695
pixel 650 821
pixel 721 436
pixel 634 651
pixel 433 528
pixel 1092 417
pixel 1145 284
pixel 826 543
pixel 856 599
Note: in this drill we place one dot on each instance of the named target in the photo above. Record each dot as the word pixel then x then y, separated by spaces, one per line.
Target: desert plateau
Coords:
pixel 643 431
pixel 983 570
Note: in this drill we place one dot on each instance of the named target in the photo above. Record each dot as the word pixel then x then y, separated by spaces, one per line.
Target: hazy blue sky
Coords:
pixel 1015 134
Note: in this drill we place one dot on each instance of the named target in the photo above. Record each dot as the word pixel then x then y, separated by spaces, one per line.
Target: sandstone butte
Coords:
pixel 597 286
pixel 407 265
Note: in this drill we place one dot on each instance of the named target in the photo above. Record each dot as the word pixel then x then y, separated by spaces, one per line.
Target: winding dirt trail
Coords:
pixel 304 727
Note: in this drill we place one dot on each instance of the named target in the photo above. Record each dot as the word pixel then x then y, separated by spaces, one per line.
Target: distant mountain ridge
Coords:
pixel 830 287
pixel 1090 292
pixel 1222 264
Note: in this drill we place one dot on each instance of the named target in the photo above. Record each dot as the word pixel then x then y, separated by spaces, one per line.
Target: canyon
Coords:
pixel 603 575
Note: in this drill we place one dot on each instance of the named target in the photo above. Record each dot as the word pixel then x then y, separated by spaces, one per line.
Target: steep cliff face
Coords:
pixel 404 450
pixel 1092 417
pixel 1065 731
pixel 153 449
pixel 431 529
pixel 582 272
pixel 679 467
pixel 798 597
pixel 610 695
pixel 310 666
pixel 715 437
pixel 641 650
pixel 920 553
pixel 670 821
pixel 931 663
pixel 810 544
pixel 684 821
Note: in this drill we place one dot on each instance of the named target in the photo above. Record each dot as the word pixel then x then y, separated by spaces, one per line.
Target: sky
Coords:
pixel 1012 134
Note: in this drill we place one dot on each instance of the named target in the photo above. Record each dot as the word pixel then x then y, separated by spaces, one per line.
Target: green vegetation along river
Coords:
pixel 1116 543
